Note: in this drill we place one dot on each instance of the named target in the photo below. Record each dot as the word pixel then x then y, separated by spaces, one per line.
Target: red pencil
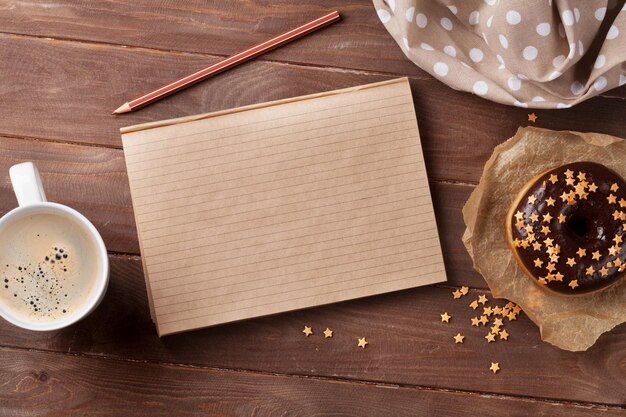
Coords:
pixel 228 63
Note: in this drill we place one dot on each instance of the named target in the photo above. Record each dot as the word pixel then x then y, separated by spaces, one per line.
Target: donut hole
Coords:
pixel 579 225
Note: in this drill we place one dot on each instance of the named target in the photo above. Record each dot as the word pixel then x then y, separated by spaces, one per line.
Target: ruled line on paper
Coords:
pixel 247 195
pixel 229 213
pixel 280 258
pixel 159 187
pixel 207 277
pixel 299 298
pixel 162 293
pixel 224 243
pixel 204 203
pixel 181 240
pixel 282 206
pixel 167 139
pixel 259 138
pixel 191 201
pixel 397 148
pixel 278 206
pixel 158 173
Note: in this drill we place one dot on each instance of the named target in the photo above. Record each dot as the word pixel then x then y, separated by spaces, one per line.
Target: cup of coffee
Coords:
pixel 54 268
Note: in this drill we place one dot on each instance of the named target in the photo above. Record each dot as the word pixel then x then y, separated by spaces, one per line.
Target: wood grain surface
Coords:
pixel 45 384
pixel 65 65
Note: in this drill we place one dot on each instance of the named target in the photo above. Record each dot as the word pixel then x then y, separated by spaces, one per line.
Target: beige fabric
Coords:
pixel 528 53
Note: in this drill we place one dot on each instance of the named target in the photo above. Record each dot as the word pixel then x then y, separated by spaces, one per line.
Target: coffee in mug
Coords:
pixel 54 267
pixel 48 267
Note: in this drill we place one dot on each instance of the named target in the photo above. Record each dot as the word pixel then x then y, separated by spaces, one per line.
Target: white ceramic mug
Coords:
pixel 32 201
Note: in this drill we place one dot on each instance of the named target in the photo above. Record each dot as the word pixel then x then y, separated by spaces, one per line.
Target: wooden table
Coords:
pixel 64 66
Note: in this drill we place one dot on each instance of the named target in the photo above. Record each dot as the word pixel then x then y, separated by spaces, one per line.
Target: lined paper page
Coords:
pixel 282 206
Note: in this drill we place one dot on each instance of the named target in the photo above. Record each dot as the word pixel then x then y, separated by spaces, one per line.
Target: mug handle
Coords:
pixel 27 184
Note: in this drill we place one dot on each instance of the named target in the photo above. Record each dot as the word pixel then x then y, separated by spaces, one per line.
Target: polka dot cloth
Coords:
pixel 539 54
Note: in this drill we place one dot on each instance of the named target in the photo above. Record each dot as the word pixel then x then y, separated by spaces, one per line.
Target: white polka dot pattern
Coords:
pixel 541 55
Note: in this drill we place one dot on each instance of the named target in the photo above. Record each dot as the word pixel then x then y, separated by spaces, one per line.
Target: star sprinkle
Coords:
pixel 495 329
pixel 562 218
pixel 571 261
pixel 595 256
pixel 547 218
pixel 504 335
pixel 307 331
pixel 534 217
pixel 573 283
pixel 362 343
pixel 581 252
pixel 569 173
pixel 328 333
pixel 490 337
pixel 590 270
pixel 617 239
pixel 483 320
pixel 612 199
pixel 474 305
pixel 592 188
pixel 550 201
pixel 459 338
pixel 495 367
pixel 614 187
pixel 482 299
pixel 445 318
pixel 603 271
pixel 532 117
pixel 475 321
pixel 532 199
pixel 487 311
pixel 464 290
pixel 497 321
pixel 538 262
pixel 457 294
pixel 553 179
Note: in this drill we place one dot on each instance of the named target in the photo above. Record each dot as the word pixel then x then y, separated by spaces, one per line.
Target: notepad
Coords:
pixel 282 205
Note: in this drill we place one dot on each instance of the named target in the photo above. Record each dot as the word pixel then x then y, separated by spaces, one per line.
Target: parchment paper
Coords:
pixel 569 322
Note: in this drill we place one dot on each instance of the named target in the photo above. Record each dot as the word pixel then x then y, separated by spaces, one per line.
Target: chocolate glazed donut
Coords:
pixel 566 228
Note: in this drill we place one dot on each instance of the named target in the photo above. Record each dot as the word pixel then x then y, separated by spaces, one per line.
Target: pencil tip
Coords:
pixel 124 108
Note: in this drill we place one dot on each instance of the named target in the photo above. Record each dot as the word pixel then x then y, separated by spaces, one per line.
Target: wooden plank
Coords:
pixel 360 41
pixel 219 28
pixel 93 180
pixel 73 102
pixel 408 344
pixel 39 383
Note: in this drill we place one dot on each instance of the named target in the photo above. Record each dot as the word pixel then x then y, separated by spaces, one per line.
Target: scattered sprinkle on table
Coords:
pixel 307 331
pixel 328 333
pixel 362 342
pixel 532 117
pixel 495 367
pixel 493 317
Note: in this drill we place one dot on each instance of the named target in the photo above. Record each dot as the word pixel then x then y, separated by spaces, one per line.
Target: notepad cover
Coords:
pixel 282 205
